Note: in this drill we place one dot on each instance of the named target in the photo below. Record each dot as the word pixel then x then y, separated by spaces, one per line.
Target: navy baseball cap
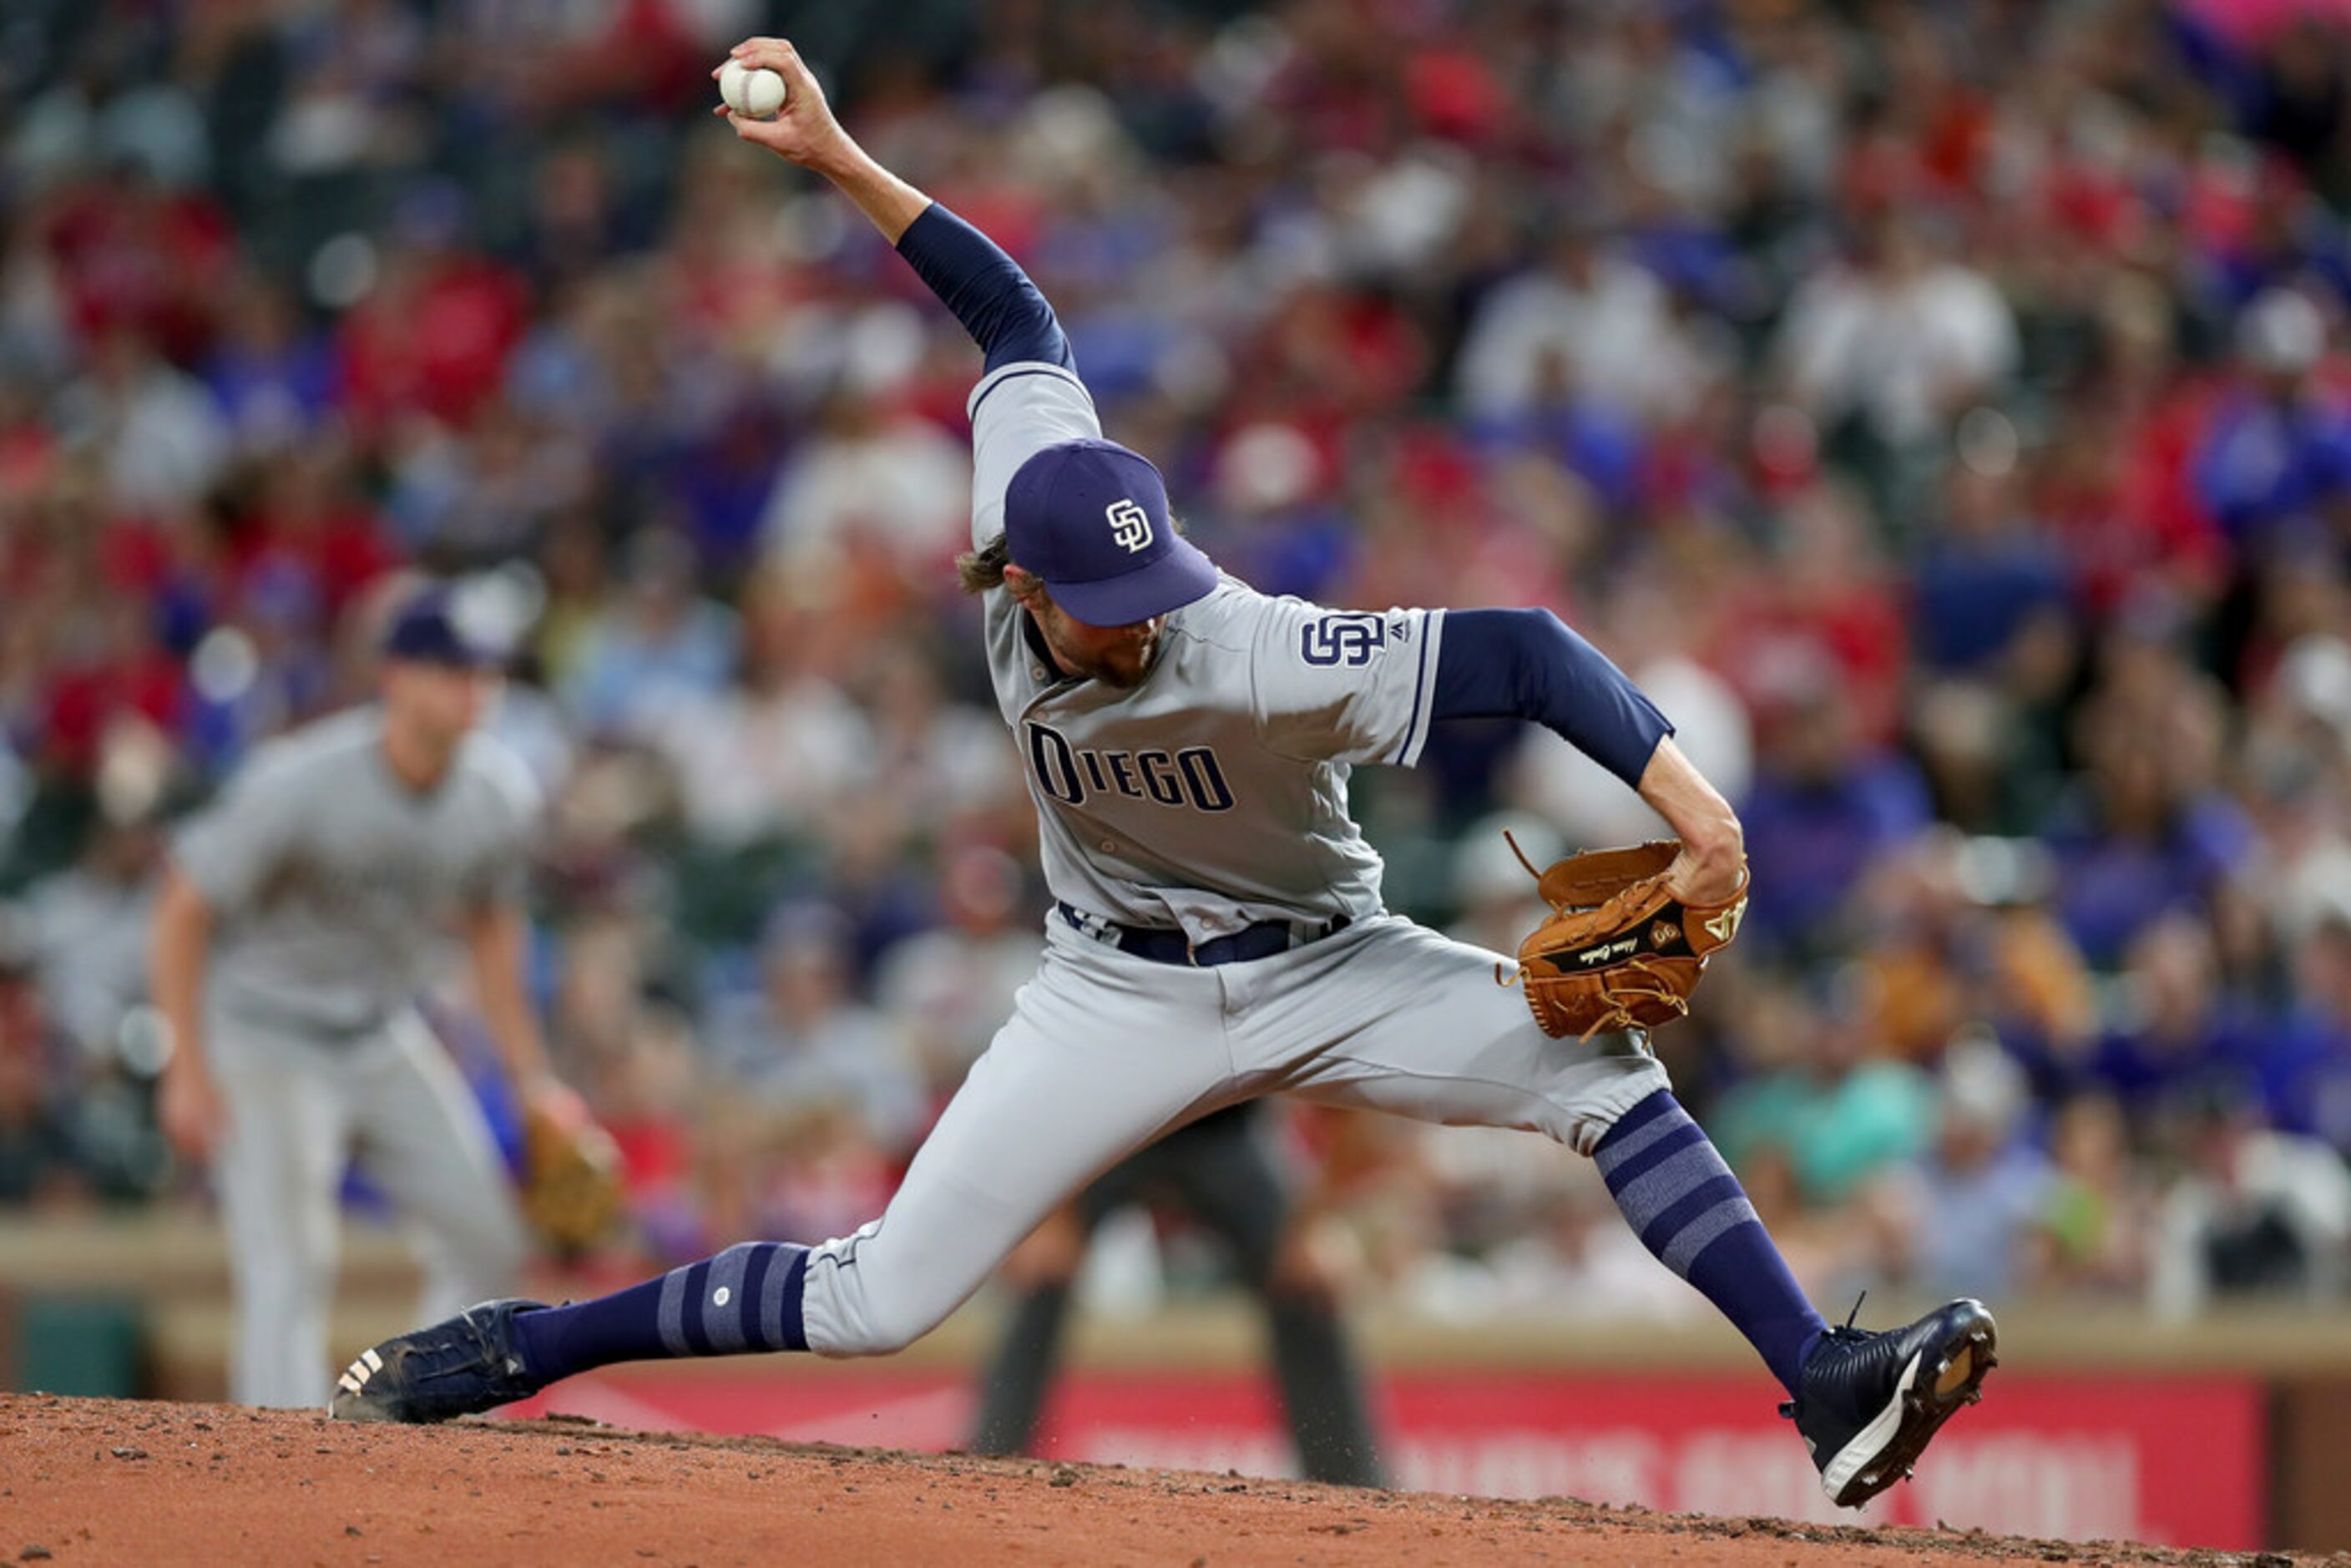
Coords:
pixel 1090 517
pixel 431 629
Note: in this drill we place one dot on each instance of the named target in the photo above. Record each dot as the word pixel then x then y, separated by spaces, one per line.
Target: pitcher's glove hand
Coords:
pixel 572 1195
pixel 1619 950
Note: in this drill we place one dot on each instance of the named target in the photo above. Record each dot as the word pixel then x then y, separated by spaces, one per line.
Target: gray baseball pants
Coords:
pixel 299 1113
pixel 1105 1051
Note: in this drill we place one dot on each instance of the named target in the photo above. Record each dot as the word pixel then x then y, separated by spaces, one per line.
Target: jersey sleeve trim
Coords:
pixel 995 379
pixel 1424 695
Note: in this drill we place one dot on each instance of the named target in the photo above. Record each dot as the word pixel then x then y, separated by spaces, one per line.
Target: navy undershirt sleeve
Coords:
pixel 1528 664
pixel 986 288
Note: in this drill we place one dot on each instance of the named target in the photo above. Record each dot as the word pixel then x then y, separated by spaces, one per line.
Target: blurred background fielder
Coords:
pixel 301 921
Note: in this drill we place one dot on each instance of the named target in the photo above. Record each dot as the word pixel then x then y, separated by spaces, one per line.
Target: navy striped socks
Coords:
pixel 1690 1211
pixel 746 1299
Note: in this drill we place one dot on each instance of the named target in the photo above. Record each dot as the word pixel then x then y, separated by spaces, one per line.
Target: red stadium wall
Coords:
pixel 2174 1461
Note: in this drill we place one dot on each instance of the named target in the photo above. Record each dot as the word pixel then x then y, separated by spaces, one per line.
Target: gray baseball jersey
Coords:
pixel 1214 795
pixel 332 884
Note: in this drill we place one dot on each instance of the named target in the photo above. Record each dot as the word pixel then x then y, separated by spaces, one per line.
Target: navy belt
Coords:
pixel 1163 946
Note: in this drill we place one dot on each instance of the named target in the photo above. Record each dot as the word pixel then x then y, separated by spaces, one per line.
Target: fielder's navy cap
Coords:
pixel 1090 517
pixel 430 629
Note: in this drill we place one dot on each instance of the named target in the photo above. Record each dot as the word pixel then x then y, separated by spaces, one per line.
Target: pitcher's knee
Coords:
pixel 894 1328
pixel 847 1315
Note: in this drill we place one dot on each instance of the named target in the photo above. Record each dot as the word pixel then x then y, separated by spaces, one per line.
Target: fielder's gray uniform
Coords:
pixel 331 885
pixel 1211 798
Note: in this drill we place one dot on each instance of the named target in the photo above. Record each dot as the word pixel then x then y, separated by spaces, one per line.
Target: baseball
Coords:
pixel 754 94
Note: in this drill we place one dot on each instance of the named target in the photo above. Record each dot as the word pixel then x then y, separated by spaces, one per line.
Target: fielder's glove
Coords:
pixel 1618 951
pixel 571 1177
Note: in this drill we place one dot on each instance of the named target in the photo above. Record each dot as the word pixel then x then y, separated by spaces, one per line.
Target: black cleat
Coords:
pixel 460 1367
pixel 1872 1401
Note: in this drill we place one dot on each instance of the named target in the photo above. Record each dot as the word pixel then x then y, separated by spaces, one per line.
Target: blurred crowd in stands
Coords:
pixel 1943 411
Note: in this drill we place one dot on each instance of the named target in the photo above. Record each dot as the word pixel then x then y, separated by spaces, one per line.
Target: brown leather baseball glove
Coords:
pixel 1619 951
pixel 572 1193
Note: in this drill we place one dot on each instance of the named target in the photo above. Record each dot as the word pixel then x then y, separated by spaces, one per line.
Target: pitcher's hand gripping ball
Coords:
pixel 1619 950
pixel 754 92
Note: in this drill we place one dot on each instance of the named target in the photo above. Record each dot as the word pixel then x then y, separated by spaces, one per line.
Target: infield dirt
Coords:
pixel 85 1481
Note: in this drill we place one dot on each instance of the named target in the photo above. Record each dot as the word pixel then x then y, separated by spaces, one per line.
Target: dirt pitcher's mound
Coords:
pixel 90 1481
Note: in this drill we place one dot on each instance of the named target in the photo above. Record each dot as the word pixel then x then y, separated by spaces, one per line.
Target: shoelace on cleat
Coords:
pixel 1839 1331
pixel 1844 1333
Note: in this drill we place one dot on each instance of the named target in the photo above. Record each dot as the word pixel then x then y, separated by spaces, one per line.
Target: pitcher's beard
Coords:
pixel 1122 677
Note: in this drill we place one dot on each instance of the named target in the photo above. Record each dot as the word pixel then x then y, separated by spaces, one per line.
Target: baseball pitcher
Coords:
pixel 1220 931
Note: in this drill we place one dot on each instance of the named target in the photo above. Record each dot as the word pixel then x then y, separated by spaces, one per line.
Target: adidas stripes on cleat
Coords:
pixel 460 1367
